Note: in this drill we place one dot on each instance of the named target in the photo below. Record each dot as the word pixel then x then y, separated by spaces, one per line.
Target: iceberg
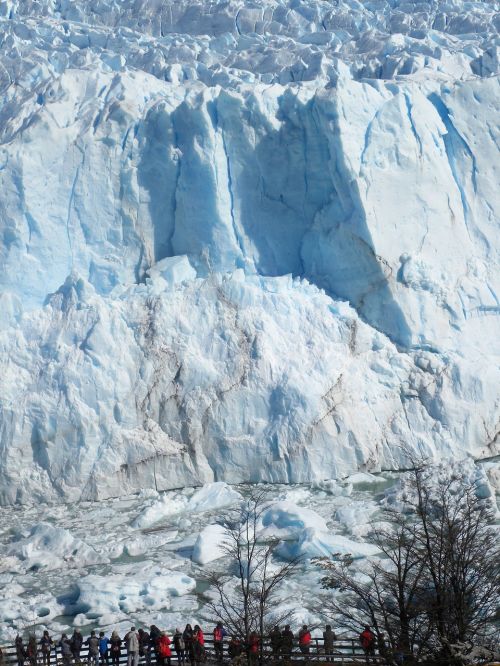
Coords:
pixel 244 243
pixel 314 543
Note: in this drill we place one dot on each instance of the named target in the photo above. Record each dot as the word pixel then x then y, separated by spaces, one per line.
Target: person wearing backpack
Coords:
pixel 180 647
pixel 219 633
pixel 103 649
pixel 116 648
pixel 46 644
pixel 93 644
pixel 367 640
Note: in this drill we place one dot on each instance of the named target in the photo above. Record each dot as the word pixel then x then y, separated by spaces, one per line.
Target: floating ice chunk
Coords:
pixel 213 496
pixel 49 547
pixel 147 542
pixel 208 546
pixel 130 588
pixel 209 497
pixel 166 506
pixel 355 517
pixel 363 478
pixel 285 520
pixel 317 543
pixel 333 487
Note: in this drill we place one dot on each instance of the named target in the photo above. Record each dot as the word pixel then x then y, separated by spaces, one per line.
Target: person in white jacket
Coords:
pixel 132 643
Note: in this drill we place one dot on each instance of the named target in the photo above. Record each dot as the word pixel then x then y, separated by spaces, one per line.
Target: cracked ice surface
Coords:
pixel 244 242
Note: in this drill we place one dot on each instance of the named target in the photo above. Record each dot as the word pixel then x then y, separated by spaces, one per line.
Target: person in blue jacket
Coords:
pixel 103 649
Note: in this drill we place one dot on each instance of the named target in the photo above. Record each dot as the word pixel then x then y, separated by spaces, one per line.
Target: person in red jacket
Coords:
pixel 164 650
pixel 367 640
pixel 253 648
pixel 198 644
pixel 219 634
pixel 304 639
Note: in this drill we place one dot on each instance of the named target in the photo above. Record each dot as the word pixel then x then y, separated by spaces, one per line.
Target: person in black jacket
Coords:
pixel 145 646
pixel 188 636
pixel 76 645
pixel 20 651
pixel 154 637
pixel 180 647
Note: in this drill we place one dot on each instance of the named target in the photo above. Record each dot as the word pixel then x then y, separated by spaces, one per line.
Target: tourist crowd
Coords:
pixel 158 647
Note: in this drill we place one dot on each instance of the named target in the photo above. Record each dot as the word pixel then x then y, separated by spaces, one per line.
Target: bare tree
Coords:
pixel 243 598
pixel 385 593
pixel 460 548
pixel 437 582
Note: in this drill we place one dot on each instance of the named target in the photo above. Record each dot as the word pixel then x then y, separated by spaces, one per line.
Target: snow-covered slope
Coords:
pixel 244 241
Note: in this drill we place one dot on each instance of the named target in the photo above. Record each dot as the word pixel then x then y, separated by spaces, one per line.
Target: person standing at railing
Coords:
pixel 132 643
pixel 103 649
pixel 2 658
pixel 328 639
pixel 253 648
pixel 367 640
pixel 234 649
pixel 66 651
pixel 76 645
pixel 305 640
pixel 188 635
pixel 20 651
pixel 275 641
pixel 154 637
pixel 145 646
pixel 164 649
pixel 116 648
pixel 286 643
pixel 32 650
pixel 198 644
pixel 180 647
pixel 46 644
pixel 93 653
pixel 219 633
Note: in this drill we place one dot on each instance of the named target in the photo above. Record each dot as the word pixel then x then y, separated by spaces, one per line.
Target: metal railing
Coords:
pixel 345 651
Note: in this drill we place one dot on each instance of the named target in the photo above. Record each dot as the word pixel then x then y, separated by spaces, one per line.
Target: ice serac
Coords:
pixel 220 264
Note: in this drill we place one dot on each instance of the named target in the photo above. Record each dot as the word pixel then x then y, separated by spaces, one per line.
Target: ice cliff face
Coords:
pixel 244 241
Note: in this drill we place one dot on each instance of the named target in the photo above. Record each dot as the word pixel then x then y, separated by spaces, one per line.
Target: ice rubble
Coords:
pixel 210 497
pixel 131 588
pixel 50 547
pixel 160 576
pixel 244 243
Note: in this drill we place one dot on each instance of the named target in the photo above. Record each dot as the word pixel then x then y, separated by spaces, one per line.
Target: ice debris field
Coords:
pixel 145 558
pixel 240 242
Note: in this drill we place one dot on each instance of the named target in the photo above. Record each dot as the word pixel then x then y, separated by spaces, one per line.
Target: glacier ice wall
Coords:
pixel 244 243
